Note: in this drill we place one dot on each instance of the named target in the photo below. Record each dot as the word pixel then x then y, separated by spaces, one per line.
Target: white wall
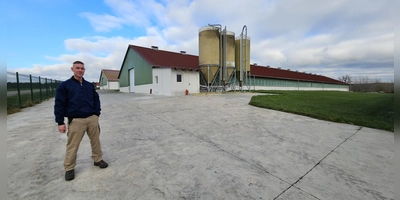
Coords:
pixel 124 89
pixel 110 86
pixel 144 89
pixel 113 85
pixel 167 83
pixel 163 87
pixel 190 81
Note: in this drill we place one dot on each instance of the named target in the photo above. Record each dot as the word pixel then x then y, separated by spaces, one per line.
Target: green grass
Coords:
pixel 26 101
pixel 374 110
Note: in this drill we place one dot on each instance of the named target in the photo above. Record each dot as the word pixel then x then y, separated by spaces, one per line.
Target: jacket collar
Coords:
pixel 72 78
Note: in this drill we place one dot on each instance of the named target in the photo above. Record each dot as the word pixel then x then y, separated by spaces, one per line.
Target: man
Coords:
pixel 78 100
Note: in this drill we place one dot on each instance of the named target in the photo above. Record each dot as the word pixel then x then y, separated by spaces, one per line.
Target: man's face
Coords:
pixel 78 69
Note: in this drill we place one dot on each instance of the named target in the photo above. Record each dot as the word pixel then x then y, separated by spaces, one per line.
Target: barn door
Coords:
pixel 132 80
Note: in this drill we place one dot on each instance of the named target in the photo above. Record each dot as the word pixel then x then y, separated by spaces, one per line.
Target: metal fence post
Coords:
pixel 40 89
pixel 30 80
pixel 55 87
pixel 18 89
pixel 19 92
pixel 47 88
pixel 51 87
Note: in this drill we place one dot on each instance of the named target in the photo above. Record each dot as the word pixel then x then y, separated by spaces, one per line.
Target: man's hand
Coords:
pixel 62 128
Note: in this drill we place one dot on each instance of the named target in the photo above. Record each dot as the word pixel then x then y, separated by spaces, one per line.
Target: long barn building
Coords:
pixel 151 70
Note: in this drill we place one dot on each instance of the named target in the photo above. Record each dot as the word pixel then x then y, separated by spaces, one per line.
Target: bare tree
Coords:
pixel 365 84
pixel 345 79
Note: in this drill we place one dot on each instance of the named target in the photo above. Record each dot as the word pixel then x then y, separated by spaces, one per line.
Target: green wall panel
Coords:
pixel 103 80
pixel 143 70
pixel 291 83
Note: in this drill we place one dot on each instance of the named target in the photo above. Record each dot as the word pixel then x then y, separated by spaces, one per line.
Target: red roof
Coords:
pixel 270 72
pixel 111 75
pixel 167 59
pixel 160 58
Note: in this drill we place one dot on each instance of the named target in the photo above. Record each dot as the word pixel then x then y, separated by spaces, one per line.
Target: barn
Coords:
pixel 155 71
pixel 269 78
pixel 109 79
pixel 150 70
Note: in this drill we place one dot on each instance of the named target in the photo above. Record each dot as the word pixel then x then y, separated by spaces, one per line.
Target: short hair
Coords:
pixel 78 62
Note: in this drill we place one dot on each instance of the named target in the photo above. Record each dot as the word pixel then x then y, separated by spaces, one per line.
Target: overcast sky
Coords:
pixel 332 38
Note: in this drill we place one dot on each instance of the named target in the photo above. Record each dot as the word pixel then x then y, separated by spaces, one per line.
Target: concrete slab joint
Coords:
pixel 199 147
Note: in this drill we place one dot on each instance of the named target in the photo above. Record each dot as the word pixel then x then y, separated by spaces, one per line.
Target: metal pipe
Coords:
pixel 208 78
pixel 225 74
pixel 241 57
pixel 220 55
pixel 242 51
pixel 244 29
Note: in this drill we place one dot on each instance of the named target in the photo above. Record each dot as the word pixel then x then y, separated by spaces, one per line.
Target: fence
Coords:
pixel 27 90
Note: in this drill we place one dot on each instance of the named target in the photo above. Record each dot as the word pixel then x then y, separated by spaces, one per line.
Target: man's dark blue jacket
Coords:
pixel 76 100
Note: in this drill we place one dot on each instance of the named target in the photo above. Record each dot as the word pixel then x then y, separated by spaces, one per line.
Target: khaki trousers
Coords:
pixel 76 131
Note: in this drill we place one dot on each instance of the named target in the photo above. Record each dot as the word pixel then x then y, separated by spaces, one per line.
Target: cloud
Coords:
pixel 331 38
pixel 124 12
pixel 104 22
pixel 96 52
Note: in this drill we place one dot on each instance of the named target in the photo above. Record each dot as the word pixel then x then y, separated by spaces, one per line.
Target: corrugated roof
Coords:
pixel 269 72
pixel 161 58
pixel 111 75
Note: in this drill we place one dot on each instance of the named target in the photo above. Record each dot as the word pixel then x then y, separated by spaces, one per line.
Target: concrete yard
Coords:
pixel 213 146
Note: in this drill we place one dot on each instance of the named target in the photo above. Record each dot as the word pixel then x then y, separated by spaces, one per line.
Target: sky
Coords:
pixel 331 38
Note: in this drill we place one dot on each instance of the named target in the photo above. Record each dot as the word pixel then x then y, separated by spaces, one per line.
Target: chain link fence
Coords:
pixel 27 90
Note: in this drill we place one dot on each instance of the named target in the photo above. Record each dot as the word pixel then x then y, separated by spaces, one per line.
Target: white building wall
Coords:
pixel 113 85
pixel 163 86
pixel 110 86
pixel 190 82
pixel 124 89
pixel 144 89
pixel 167 83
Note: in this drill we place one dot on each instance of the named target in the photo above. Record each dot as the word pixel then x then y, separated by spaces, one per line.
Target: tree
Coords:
pixel 346 79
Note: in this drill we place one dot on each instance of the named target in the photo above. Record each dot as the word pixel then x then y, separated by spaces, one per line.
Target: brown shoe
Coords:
pixel 101 164
pixel 69 175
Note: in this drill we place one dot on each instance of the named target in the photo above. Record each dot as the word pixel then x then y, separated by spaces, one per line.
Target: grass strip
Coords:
pixel 26 101
pixel 374 110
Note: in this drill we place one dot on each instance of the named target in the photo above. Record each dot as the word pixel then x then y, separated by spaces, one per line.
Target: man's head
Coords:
pixel 79 69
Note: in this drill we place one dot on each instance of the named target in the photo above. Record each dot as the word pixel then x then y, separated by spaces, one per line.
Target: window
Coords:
pixel 156 79
pixel 179 78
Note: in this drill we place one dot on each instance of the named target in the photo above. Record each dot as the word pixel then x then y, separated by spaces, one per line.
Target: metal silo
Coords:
pixel 242 56
pixel 209 52
pixel 229 54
